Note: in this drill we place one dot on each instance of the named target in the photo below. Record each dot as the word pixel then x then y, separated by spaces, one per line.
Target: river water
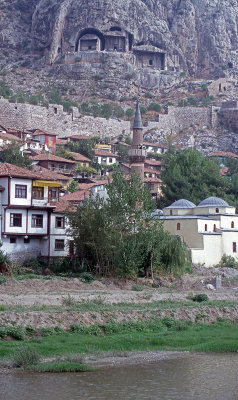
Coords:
pixel 194 377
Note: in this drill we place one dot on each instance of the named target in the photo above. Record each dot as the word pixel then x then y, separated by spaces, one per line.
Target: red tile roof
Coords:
pixel 87 186
pixel 102 153
pixel 153 162
pixel 223 154
pixel 51 157
pixel 76 197
pixel 152 180
pixel 61 141
pixel 8 136
pixel 47 174
pixel 79 157
pixel 160 145
pixel 7 169
pixel 151 171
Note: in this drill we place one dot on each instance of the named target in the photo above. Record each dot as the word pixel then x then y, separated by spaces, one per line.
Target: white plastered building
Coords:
pixel 210 229
pixel 29 223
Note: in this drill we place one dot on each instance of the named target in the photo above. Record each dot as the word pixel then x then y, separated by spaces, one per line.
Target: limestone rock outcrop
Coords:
pixel 143 39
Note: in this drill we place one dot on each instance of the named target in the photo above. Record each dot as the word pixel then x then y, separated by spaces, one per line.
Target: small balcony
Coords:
pixel 137 153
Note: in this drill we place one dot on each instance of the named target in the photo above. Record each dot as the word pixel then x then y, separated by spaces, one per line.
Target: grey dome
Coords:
pixel 182 203
pixel 213 202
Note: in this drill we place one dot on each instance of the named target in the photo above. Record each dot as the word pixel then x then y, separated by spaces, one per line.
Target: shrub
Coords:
pixel 227 262
pixel 129 112
pixel 154 107
pixel 25 356
pixel 200 297
pixel 3 279
pixel 86 277
pixel 68 301
pixel 137 288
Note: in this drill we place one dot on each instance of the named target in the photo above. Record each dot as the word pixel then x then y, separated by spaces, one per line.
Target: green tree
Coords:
pixel 85 147
pixel 190 175
pixel 154 107
pixel 73 186
pixel 119 236
pixel 11 154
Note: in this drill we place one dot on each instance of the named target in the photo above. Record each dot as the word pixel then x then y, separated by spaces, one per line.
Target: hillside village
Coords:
pixel 35 202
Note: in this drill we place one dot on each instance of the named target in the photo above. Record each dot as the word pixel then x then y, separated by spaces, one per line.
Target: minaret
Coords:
pixel 137 153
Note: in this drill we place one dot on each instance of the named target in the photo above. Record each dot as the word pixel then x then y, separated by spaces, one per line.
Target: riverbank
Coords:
pixel 64 319
pixel 122 343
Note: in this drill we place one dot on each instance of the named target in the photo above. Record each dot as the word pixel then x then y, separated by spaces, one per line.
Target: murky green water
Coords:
pixel 195 377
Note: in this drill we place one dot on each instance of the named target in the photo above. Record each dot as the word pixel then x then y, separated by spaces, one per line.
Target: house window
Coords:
pixel 110 160
pixel 20 191
pixel 59 244
pixel 234 247
pixel 205 228
pixel 13 240
pixel 16 220
pixel 232 224
pixel 37 221
pixel 178 227
pixel 53 193
pixel 38 193
pixel 55 110
pixel 217 210
pixel 214 228
pixel 104 160
pixel 60 222
pixel 171 212
pixel 150 62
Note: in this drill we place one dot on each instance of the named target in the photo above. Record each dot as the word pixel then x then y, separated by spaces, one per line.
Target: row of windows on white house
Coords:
pixel 37 192
pixel 205 226
pixel 234 246
pixel 59 243
pixel 36 221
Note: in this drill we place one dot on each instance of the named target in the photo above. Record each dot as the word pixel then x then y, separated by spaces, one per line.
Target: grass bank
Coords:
pixel 166 334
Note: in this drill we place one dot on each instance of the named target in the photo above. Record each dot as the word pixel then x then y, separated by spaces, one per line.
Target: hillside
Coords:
pixel 140 45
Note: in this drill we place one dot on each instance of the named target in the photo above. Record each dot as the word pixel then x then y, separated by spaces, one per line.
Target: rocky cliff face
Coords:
pixel 197 38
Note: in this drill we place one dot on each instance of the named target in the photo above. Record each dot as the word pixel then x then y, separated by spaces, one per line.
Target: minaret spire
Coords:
pixel 137 153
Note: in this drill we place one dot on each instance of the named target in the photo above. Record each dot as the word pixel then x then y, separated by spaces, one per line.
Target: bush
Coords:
pixel 200 297
pixel 129 112
pixel 227 262
pixel 86 277
pixel 25 356
pixel 154 107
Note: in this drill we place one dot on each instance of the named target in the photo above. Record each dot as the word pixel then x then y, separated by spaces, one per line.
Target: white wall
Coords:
pixel 20 201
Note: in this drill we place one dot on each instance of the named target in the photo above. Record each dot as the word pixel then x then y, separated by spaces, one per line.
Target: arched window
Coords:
pixel 178 227
pixel 205 228
pixel 217 210
pixel 232 224
pixel 214 228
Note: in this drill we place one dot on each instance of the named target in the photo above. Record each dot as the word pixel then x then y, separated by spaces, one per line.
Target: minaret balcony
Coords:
pixel 137 153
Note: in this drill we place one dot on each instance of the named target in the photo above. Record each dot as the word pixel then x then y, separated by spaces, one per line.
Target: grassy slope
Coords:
pixel 221 336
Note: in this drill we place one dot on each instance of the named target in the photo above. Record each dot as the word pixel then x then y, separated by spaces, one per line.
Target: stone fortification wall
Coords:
pixel 179 118
pixel 55 120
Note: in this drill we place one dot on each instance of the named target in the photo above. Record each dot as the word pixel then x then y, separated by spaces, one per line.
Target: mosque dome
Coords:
pixel 213 202
pixel 182 203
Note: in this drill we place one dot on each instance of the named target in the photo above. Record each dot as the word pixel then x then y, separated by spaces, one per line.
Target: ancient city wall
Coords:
pixel 55 120
pixel 179 118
